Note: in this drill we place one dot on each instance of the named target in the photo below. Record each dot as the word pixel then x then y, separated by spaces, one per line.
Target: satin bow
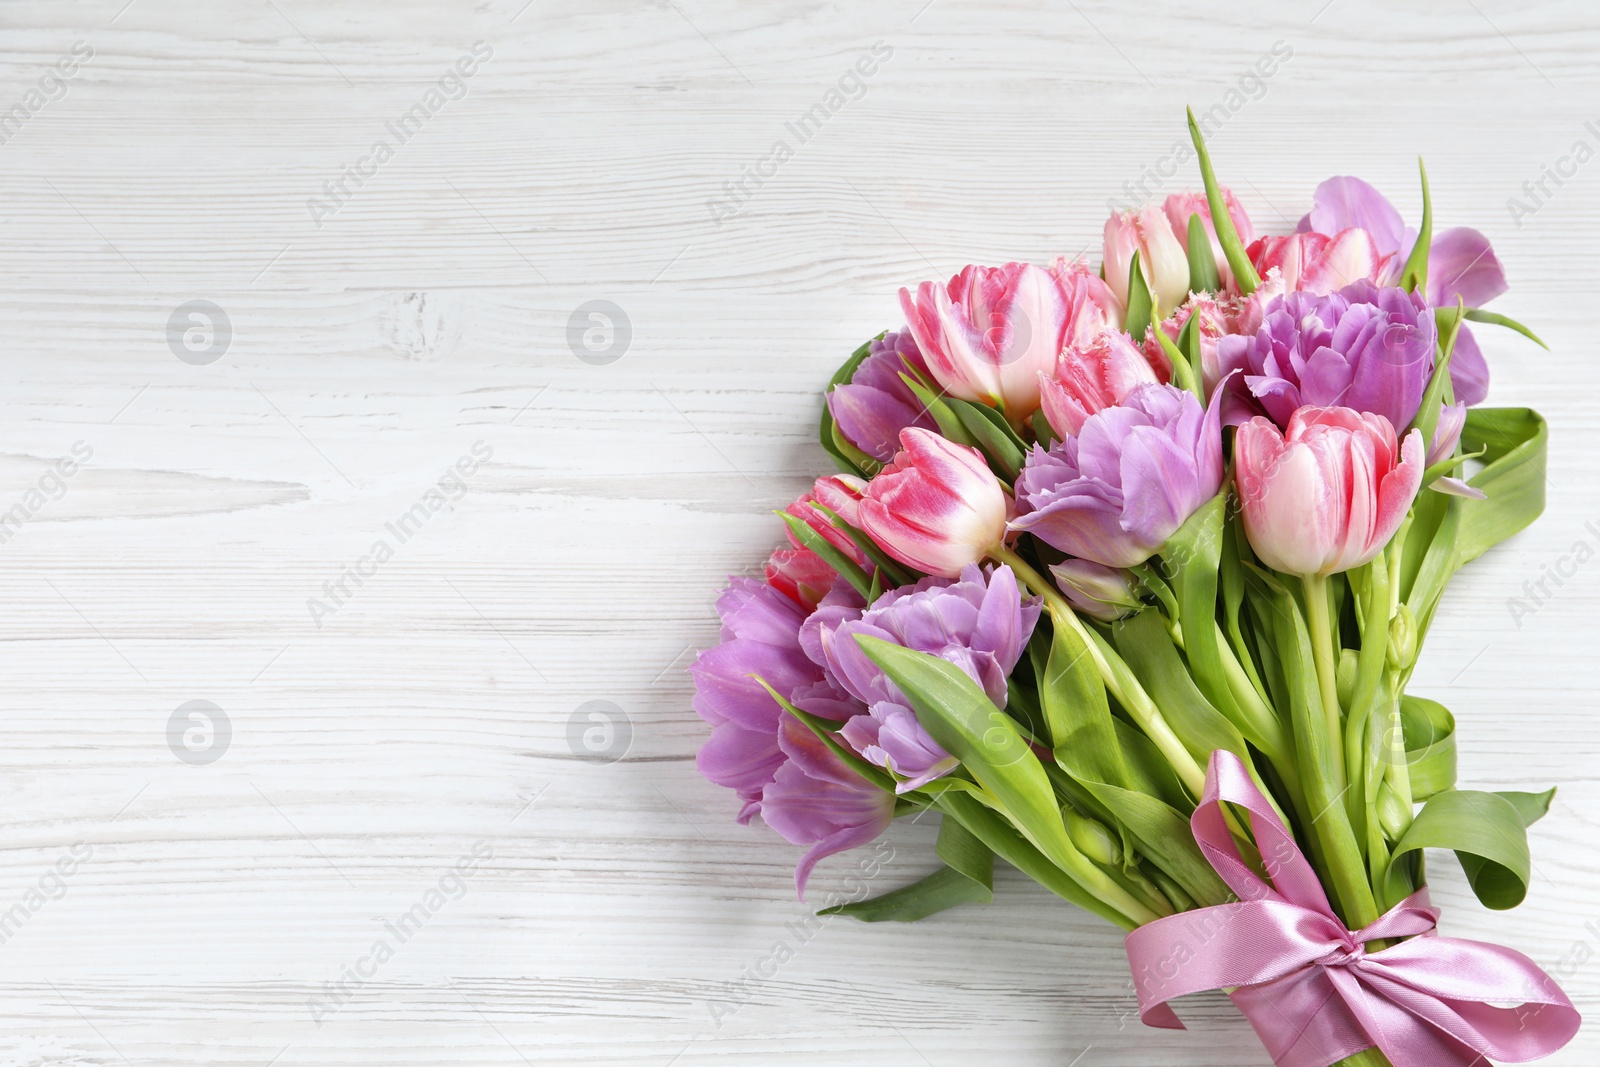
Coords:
pixel 1307 983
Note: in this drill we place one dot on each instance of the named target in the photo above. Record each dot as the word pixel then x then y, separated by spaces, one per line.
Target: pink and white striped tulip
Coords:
pixel 1092 308
pixel 1328 494
pixel 988 333
pixel 1092 378
pixel 937 507
pixel 1162 260
pixel 1317 263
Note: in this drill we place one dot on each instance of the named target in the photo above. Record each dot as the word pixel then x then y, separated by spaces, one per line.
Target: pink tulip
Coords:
pixel 1180 206
pixel 989 332
pixel 1327 495
pixel 1092 308
pixel 1217 318
pixel 1317 263
pixel 1092 378
pixel 799 574
pixel 937 507
pixel 841 494
pixel 1161 257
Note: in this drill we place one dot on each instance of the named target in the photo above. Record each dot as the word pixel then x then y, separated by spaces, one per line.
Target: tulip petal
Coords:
pixel 1461 263
pixel 739 758
pixel 1342 202
pixel 1456 487
pixel 1469 371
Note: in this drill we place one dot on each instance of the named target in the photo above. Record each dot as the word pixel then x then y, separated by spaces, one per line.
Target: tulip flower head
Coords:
pixel 1133 475
pixel 937 507
pixel 1362 347
pixel 1319 263
pixel 1461 265
pixel 1098 591
pixel 1092 378
pixel 1161 237
pixel 876 404
pixel 988 333
pixel 981 623
pixel 1180 206
pixel 1162 260
pixel 1327 494
pixel 779 768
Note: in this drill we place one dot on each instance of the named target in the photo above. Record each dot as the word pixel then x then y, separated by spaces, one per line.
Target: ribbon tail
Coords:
pixel 1430 1002
pixel 1301 1020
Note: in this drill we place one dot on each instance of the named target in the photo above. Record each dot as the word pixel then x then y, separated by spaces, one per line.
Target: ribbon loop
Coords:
pixel 1307 983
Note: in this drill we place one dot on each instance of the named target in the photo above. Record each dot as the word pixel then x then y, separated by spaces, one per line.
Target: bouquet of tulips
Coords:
pixel 1126 575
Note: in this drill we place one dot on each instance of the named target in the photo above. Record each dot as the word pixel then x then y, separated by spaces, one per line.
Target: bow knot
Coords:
pixel 1307 983
pixel 1343 956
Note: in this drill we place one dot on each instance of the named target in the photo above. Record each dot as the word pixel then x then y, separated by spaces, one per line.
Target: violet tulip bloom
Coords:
pixel 1328 494
pixel 979 623
pixel 760 636
pixel 1363 347
pixel 1098 591
pixel 777 766
pixel 988 333
pixel 816 799
pixel 1461 264
pixel 876 404
pixel 937 507
pixel 1090 378
pixel 1133 475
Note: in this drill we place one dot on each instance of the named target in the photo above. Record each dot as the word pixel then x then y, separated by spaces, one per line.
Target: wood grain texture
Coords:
pixel 375 746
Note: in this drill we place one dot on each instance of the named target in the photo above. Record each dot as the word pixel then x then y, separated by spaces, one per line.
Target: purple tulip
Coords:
pixel 775 763
pixel 816 799
pixel 877 404
pixel 1362 347
pixel 1461 263
pixel 980 623
pixel 1133 475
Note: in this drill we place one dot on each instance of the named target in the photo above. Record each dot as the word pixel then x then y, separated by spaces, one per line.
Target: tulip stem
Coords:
pixel 1322 653
pixel 1116 675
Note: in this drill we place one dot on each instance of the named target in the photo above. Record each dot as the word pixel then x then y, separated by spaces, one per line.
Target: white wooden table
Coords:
pixel 419 716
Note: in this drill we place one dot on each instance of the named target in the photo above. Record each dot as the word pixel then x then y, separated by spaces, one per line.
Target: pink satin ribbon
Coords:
pixel 1306 982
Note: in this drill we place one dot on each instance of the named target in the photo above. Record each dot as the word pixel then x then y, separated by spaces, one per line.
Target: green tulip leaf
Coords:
pixel 1089 749
pixel 1244 272
pixel 961 718
pixel 1496 319
pixel 995 438
pixel 1487 832
pixel 950 424
pixel 967 877
pixel 1141 307
pixel 1414 275
pixel 965 723
pixel 1000 837
pixel 1203 277
pixel 1430 736
pixel 1515 443
pixel 847 568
